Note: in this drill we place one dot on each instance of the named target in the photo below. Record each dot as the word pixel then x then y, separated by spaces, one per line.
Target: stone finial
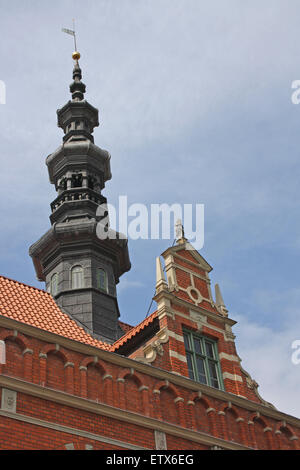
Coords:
pixel 179 230
pixel 219 301
pixel 161 283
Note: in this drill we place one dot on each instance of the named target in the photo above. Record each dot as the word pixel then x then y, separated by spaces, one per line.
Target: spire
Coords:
pixel 219 300
pixel 161 283
pixel 77 118
pixel 77 88
pixel 81 270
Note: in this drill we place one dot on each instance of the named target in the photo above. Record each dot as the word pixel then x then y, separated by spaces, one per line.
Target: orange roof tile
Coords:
pixel 133 332
pixel 125 327
pixel 37 308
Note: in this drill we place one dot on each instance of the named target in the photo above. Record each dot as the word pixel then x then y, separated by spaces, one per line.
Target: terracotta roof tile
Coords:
pixel 133 332
pixel 125 327
pixel 37 308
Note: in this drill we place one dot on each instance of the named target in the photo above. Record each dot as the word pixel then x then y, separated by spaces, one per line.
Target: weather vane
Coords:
pixel 76 54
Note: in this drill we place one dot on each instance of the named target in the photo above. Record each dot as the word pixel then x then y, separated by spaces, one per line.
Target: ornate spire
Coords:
pixel 77 88
pixel 80 269
pixel 77 118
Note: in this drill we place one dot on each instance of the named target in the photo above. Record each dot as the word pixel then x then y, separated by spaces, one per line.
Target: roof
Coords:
pixel 37 308
pixel 133 332
pixel 125 327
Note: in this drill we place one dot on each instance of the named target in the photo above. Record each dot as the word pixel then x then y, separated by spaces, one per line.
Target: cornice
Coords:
pixel 191 306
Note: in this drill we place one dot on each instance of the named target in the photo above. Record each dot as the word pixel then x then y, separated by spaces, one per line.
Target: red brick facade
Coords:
pixel 60 392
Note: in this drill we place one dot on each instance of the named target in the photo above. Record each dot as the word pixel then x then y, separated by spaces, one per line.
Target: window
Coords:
pixel 76 180
pixel 63 184
pixel 77 277
pixel 101 280
pixel 54 284
pixel 202 359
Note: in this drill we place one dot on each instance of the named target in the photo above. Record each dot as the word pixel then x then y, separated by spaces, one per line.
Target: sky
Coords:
pixel 195 107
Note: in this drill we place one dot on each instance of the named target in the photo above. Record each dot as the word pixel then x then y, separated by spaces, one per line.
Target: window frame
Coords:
pixel 101 289
pixel 73 286
pixel 190 351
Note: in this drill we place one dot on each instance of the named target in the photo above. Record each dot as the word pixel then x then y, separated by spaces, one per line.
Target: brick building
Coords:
pixel 73 376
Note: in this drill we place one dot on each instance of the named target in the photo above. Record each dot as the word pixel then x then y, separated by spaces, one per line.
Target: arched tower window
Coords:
pixel 54 284
pixel 77 277
pixel 101 280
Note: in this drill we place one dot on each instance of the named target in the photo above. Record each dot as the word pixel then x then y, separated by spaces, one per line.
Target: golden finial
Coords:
pixel 76 55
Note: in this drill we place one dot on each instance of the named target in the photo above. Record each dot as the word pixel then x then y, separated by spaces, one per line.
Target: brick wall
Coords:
pixel 40 423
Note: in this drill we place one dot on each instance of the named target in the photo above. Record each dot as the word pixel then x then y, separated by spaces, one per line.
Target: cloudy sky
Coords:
pixel 195 107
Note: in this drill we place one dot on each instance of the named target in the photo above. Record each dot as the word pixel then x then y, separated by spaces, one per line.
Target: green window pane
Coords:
pixel 190 366
pixel 186 341
pixel 209 349
pixel 197 345
pixel 201 370
pixel 213 374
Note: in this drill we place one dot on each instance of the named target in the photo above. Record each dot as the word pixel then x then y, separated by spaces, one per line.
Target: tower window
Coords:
pixel 101 280
pixel 77 277
pixel 54 284
pixel 63 184
pixel 77 180
pixel 202 359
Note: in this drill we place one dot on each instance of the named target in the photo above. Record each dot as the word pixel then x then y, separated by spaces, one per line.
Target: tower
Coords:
pixel 80 269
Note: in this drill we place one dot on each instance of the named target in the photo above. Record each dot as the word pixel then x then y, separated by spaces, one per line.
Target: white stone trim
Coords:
pixel 175 336
pixel 236 378
pixel 107 376
pixel 189 270
pixel 178 356
pixel 69 364
pixel 202 321
pixel 229 357
pixel 160 440
pixel 2 352
pixel 70 446
pixel 267 429
pixel 9 400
